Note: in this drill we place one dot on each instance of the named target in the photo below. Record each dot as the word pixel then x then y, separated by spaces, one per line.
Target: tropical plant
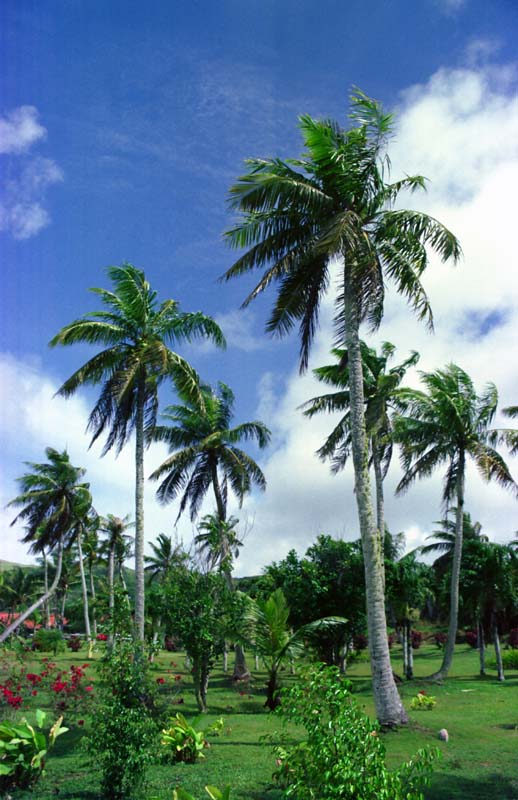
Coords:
pixel 52 499
pixel 380 387
pixel 342 754
pixel 213 792
pixel 23 750
pixel 447 424
pixel 135 332
pixel 183 741
pixel 218 544
pixel 299 217
pixel 266 630
pixel 423 702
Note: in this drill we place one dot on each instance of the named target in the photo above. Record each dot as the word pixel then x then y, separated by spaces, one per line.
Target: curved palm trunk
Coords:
pixel 389 708
pixel 43 599
pixel 378 481
pixel 455 577
pixel 139 513
pixel 84 590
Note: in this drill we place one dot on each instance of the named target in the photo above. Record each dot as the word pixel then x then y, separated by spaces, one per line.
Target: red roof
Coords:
pixel 6 617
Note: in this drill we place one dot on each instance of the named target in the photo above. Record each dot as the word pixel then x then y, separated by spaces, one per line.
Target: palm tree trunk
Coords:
pixel 481 646
pixel 378 479
pixel 498 651
pixel 455 576
pixel 139 512
pixel 46 606
pixel 43 599
pixel 409 672
pixel 111 597
pixel 389 708
pixel 84 590
pixel 92 592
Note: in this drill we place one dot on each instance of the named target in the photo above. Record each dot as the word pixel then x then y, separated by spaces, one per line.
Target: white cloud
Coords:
pixel 22 201
pixel 451 7
pixel 32 415
pixel 19 129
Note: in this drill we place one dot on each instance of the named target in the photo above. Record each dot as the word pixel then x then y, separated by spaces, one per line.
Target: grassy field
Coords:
pixel 479 762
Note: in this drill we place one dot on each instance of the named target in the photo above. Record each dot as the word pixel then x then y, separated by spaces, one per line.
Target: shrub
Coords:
pixel 74 643
pixel 48 641
pixel 23 750
pixel 391 640
pixel 440 639
pixel 471 638
pixel 513 638
pixel 417 638
pixel 343 754
pixel 509 660
pixel 182 741
pixel 123 733
pixel 360 642
pixel 422 702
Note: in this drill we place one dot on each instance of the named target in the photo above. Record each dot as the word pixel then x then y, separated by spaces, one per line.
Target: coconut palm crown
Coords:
pixel 135 333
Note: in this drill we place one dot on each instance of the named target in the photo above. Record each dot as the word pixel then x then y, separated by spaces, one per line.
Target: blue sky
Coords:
pixel 122 126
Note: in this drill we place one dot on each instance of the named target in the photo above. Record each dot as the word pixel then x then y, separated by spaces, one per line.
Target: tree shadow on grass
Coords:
pixel 456 787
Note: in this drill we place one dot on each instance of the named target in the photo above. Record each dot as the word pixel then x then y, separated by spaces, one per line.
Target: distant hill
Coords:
pixel 7 565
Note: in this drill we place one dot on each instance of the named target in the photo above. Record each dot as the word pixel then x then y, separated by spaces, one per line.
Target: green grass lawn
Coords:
pixel 480 761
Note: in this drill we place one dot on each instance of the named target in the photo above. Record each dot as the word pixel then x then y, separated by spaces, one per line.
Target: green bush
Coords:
pixel 182 741
pixel 49 641
pixel 509 660
pixel 22 752
pixel 423 702
pixel 124 732
pixel 343 754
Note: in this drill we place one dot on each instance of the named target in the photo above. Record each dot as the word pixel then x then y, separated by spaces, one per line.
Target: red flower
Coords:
pixel 34 692
pixel 89 688
pixel 80 722
pixel 160 680
pixel 178 677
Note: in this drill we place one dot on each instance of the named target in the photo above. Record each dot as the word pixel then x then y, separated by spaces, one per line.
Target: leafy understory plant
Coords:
pixel 343 754
pixel 23 749
pixel 182 741
pixel 422 702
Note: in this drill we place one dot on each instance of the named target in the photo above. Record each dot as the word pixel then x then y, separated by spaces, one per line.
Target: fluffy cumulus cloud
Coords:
pixel 22 201
pixel 461 130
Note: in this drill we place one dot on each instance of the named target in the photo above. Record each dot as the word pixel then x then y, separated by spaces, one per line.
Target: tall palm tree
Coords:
pixel 447 424
pixel 380 387
pixel 166 556
pixel 51 500
pixel 135 332
pixel 204 451
pixel 297 218
pixel 91 553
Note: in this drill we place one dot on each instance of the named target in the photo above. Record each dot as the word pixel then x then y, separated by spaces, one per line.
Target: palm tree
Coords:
pixel 204 455
pixel 165 557
pixel 135 332
pixel 218 544
pixel 265 628
pixel 298 218
pixel 51 500
pixel 447 425
pixel 91 552
pixel 204 451
pixel 85 519
pixel 380 387
pixel 115 545
pixel 19 586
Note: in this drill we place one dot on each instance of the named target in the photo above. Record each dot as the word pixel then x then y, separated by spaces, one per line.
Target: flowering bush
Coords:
pixel 417 638
pixel 471 638
pixel 440 639
pixel 102 637
pixel 360 642
pixel 74 644
pixel 513 638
